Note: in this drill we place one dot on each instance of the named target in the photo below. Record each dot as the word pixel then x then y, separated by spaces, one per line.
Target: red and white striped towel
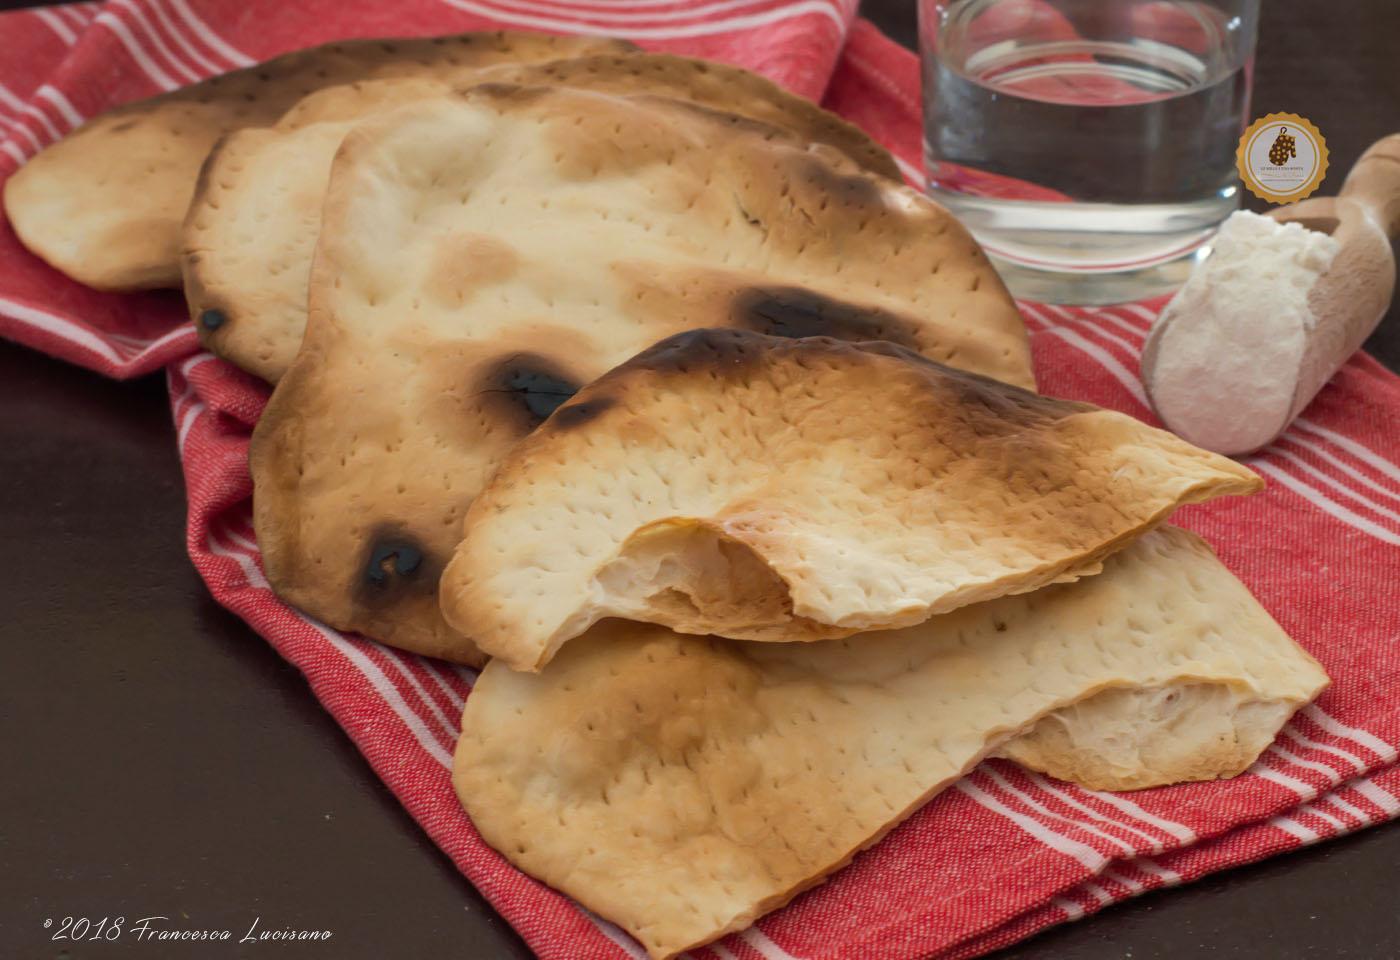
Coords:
pixel 1001 855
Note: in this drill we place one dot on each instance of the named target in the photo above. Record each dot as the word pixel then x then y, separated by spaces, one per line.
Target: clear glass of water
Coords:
pixel 1088 144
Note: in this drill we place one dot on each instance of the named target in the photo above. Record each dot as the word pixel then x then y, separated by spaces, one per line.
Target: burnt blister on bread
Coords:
pixel 572 415
pixel 853 189
pixel 527 388
pixel 212 319
pixel 399 559
pixel 394 562
pixel 783 311
pixel 994 405
pixel 728 351
pixel 501 93
pixel 1004 403
pixel 716 115
pixel 720 349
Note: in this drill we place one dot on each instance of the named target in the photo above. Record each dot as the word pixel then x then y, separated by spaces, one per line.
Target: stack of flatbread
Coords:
pixel 650 382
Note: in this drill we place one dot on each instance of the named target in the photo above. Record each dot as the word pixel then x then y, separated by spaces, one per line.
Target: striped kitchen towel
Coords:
pixel 1001 855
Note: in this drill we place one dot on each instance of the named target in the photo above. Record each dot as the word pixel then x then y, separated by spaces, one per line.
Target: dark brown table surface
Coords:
pixel 158 759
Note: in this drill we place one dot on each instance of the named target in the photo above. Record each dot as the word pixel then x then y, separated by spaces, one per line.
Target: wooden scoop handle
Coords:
pixel 1374 183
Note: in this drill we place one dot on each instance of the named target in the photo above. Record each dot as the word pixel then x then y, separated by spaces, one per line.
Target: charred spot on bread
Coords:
pixel 212 319
pixel 722 350
pixel 394 562
pixel 852 189
pixel 502 93
pixel 526 388
pixel 572 415
pixel 782 311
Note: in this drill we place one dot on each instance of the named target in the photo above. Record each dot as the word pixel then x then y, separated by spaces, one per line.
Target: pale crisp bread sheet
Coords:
pixel 105 204
pixel 683 786
pixel 761 488
pixel 251 229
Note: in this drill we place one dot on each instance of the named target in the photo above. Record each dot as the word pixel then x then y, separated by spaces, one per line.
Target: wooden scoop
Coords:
pixel 1347 302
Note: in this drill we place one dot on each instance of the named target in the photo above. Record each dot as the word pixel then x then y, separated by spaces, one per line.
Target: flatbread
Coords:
pixel 754 487
pixel 1133 738
pixel 252 226
pixel 484 255
pixel 682 786
pixel 106 203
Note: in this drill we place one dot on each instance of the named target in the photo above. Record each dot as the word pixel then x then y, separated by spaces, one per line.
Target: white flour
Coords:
pixel 1235 334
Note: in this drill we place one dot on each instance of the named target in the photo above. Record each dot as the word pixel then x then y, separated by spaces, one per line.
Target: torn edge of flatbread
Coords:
pixel 762 488
pixel 683 786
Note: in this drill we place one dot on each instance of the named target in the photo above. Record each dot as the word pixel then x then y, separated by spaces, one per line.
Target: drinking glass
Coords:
pixel 1088 144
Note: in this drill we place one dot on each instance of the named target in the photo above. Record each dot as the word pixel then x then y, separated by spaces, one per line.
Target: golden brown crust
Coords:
pixel 835 487
pixel 624 220
pixel 683 786
pixel 713 85
pixel 218 305
pixel 106 203
pixel 1134 738
pixel 252 225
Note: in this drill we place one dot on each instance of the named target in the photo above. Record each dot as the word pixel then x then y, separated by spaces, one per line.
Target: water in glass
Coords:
pixel 1088 144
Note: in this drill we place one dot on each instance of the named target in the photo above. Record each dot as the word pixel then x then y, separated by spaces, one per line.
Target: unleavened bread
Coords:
pixel 484 255
pixel 105 204
pixel 252 225
pixel 755 487
pixel 682 786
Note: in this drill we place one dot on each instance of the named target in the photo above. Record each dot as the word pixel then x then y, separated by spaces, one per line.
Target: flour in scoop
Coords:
pixel 1223 359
